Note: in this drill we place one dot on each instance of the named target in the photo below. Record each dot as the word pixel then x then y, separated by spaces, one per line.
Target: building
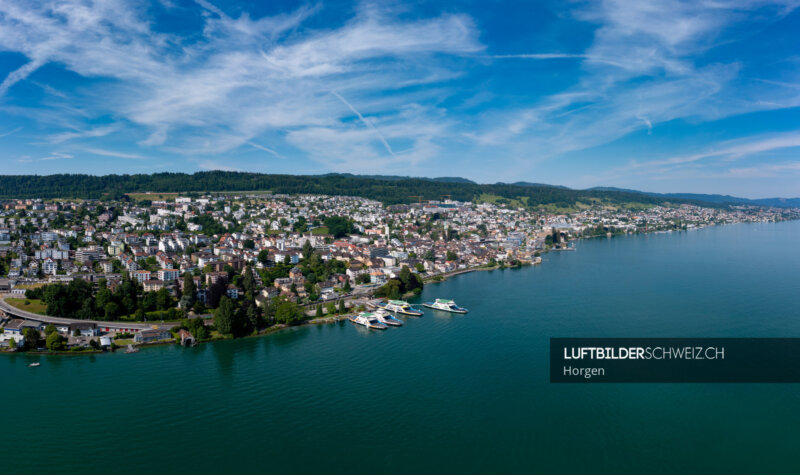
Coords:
pixel 187 339
pixel 84 329
pixel 153 285
pixel 50 267
pixel 149 336
pixel 168 275
pixel 142 275
pixel 233 292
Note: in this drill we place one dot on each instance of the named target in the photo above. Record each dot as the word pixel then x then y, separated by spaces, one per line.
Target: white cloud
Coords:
pixel 246 77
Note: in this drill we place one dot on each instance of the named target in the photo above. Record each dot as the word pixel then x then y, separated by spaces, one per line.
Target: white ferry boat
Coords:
pixel 368 320
pixel 387 318
pixel 445 305
pixel 401 307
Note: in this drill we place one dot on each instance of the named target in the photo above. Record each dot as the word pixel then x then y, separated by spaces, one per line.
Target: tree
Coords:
pixel 319 311
pixel 189 291
pixel 249 283
pixel 338 226
pixel 287 311
pixel 50 329
pixel 111 310
pixel 451 256
pixel 55 342
pixel 224 316
pixel 308 249
pixel 331 308
pixel 363 278
pixel 12 344
pixel 342 307
pixel 163 299
pixel 31 337
pixel 301 225
pixel 263 256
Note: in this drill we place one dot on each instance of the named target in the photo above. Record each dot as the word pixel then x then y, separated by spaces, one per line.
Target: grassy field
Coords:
pixel 320 230
pixel 520 202
pixel 153 196
pixel 29 305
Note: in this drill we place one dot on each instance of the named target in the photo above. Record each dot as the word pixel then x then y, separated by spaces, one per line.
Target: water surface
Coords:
pixel 445 393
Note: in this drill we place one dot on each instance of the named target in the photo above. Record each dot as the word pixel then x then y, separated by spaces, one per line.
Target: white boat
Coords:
pixel 401 307
pixel 368 320
pixel 131 349
pixel 445 305
pixel 33 365
pixel 387 318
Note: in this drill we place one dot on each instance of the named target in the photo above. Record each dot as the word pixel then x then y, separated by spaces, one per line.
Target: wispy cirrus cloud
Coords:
pixel 645 66
pixel 243 78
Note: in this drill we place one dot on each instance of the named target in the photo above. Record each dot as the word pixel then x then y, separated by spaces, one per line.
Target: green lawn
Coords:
pixel 152 196
pixel 29 305
pixel 320 230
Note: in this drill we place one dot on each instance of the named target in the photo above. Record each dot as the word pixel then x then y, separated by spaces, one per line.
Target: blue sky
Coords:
pixel 697 96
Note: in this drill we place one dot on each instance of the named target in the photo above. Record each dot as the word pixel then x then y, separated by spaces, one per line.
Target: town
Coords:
pixel 89 275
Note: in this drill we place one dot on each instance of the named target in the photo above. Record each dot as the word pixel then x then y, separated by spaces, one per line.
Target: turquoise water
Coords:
pixel 445 393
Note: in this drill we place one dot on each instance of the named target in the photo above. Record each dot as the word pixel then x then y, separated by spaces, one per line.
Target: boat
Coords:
pixel 445 305
pixel 33 365
pixel 387 318
pixel 132 349
pixel 401 307
pixel 368 320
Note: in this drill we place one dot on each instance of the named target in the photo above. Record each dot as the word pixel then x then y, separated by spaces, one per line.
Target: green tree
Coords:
pixel 50 329
pixel 163 299
pixel 224 316
pixel 319 311
pixel 55 342
pixel 111 310
pixel 342 307
pixel 189 291
pixel 31 337
pixel 451 256
pixel 287 311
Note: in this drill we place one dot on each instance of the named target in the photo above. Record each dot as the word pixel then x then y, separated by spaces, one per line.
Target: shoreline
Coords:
pixel 325 320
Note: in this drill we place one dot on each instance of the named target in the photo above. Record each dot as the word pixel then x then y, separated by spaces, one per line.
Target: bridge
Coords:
pixel 15 312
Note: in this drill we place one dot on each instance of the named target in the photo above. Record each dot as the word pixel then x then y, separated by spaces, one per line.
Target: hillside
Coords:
pixel 389 190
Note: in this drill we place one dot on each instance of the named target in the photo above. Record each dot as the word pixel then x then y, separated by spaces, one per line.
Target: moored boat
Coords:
pixel 445 305
pixel 387 318
pixel 368 320
pixel 401 307
pixel 33 365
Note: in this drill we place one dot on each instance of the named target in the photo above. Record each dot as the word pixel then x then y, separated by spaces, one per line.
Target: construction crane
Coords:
pixel 447 196
pixel 419 197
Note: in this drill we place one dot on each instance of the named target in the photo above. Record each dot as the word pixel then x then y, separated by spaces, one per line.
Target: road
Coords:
pixel 18 313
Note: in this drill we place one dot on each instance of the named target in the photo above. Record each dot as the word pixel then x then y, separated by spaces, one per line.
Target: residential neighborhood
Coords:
pixel 166 257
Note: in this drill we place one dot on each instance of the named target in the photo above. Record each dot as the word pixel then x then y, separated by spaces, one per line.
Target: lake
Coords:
pixel 445 393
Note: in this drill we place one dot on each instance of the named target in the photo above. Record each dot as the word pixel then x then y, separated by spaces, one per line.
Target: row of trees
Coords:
pixel 77 300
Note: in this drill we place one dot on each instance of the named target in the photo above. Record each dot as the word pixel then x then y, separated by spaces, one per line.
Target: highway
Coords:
pixel 15 312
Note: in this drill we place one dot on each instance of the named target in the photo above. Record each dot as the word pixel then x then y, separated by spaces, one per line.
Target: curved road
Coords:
pixel 19 313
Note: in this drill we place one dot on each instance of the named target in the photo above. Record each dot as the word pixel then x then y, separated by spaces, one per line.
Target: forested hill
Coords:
pixel 394 191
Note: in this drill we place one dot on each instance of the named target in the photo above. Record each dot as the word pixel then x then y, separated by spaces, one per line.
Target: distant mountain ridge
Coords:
pixel 711 198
